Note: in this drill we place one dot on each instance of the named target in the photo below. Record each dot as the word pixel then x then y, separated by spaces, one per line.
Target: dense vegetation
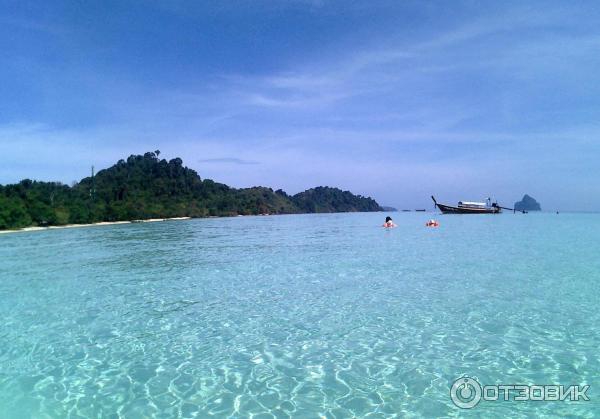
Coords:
pixel 145 186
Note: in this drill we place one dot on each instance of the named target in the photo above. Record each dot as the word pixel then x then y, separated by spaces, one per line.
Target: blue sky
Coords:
pixel 393 99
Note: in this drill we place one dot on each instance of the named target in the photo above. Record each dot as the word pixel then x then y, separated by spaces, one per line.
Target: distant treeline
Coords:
pixel 143 187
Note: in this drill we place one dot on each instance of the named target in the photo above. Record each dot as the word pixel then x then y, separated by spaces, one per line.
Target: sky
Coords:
pixel 397 100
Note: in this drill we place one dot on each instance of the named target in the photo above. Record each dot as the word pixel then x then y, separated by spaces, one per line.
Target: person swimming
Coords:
pixel 389 223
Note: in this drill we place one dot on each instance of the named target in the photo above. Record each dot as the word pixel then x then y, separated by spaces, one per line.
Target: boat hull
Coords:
pixel 447 209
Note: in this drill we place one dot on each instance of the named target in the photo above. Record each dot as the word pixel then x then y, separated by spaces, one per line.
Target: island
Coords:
pixel 146 187
pixel 527 204
pixel 389 209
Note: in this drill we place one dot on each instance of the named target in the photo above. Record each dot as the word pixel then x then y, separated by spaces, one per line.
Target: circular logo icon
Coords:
pixel 465 393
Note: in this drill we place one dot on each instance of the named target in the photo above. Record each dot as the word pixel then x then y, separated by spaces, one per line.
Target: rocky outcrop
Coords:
pixel 527 204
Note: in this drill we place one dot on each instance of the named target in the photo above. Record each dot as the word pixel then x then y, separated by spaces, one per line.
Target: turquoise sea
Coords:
pixel 299 316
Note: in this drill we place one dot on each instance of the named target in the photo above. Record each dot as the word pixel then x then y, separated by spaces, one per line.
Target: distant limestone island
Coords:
pixel 527 204
pixel 146 187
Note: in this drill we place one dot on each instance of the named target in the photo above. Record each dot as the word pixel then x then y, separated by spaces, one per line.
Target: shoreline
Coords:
pixel 154 220
pixel 101 223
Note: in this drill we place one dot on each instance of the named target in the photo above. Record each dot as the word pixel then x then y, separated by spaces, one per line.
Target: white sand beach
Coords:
pixel 102 223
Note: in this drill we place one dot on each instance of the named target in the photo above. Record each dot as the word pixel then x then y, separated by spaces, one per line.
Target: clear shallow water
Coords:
pixel 298 316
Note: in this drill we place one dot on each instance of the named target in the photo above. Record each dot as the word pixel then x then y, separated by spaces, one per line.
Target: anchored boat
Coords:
pixel 464 207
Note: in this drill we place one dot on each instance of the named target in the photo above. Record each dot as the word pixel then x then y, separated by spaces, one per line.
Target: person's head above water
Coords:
pixel 388 219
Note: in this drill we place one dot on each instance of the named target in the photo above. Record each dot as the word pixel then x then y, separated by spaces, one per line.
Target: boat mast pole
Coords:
pixel 93 187
pixel 513 209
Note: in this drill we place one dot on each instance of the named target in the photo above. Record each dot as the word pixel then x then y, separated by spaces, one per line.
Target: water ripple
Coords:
pixel 297 316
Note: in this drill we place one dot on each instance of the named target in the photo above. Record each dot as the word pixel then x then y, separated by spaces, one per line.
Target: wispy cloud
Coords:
pixel 33 25
pixel 511 91
pixel 228 160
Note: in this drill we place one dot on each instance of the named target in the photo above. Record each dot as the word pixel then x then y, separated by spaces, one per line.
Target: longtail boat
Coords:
pixel 465 207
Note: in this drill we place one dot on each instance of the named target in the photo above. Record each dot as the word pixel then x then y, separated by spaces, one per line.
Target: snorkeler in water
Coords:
pixel 389 223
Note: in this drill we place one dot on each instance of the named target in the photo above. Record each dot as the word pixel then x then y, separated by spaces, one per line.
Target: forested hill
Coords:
pixel 143 187
pixel 324 199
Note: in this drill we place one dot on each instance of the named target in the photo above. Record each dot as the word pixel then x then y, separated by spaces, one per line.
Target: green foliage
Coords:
pixel 13 213
pixel 145 186
pixel 325 199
